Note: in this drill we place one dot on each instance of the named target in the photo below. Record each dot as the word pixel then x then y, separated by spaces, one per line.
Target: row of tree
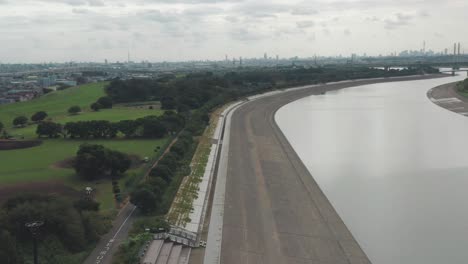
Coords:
pixel 149 196
pixel 197 90
pixel 147 127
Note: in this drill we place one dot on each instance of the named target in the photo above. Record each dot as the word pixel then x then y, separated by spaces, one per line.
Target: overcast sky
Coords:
pixel 173 30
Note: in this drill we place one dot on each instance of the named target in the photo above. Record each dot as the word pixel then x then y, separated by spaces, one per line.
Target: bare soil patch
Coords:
pixel 18 144
pixel 47 187
pixel 69 162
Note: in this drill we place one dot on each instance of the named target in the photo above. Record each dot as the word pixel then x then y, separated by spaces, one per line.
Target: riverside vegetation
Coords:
pixel 74 223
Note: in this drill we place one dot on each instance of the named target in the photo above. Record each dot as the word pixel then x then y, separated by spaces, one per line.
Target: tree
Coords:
pixel 128 127
pixel 20 121
pixel 49 129
pixel 105 102
pixel 153 127
pixel 95 161
pixel 39 116
pixel 86 204
pixel 8 253
pixel 162 171
pixel 96 106
pixel 144 199
pixel 1 126
pixel 168 103
pixel 74 110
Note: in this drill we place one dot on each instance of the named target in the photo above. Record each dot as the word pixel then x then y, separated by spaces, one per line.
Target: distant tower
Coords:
pixel 424 47
pixel 105 61
pixel 454 49
pixel 240 61
pixel 128 58
pixel 227 59
pixel 265 56
pixel 459 49
pixel 446 51
pixel 277 57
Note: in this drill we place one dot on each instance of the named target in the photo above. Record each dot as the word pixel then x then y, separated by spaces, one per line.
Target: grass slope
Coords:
pixel 55 103
pixel 37 164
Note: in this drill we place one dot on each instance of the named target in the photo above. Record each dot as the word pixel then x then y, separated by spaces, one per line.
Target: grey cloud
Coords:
pixel 158 16
pixel 305 24
pixel 398 21
pixel 194 1
pixel 231 19
pixel 81 11
pixel 303 11
pixel 76 2
pixel 243 34
pixel 372 19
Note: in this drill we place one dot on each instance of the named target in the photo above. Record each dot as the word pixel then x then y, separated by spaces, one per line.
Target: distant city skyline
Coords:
pixel 35 31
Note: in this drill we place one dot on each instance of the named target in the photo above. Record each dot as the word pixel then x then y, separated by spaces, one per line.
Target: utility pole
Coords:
pixel 34 228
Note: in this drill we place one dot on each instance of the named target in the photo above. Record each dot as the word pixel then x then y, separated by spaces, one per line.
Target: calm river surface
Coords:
pixel 393 164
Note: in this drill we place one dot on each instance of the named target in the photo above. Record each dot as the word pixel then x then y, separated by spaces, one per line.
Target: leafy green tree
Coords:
pixel 96 106
pixel 74 110
pixel 8 252
pixel 95 161
pixel 95 225
pixel 39 116
pixel 49 129
pixel 128 127
pixel 152 127
pixel 144 199
pixel 162 171
pixel 105 102
pixel 168 103
pixel 20 121
pixel 1 126
pixel 170 160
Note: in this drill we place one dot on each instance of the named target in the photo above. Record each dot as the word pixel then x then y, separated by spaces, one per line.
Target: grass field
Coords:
pixel 38 164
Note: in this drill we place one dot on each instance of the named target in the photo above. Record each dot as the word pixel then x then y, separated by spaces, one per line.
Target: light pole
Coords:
pixel 34 229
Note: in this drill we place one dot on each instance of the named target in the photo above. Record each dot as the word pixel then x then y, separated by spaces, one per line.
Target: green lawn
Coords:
pixel 37 164
pixel 55 103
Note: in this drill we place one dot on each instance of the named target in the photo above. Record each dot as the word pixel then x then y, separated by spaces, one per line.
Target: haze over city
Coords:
pixel 162 30
pixel 233 131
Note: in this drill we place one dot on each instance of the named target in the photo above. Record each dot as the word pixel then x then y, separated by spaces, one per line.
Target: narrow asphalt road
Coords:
pixel 274 212
pixel 110 242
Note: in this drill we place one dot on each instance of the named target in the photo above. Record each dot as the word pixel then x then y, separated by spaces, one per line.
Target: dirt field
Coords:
pixel 50 187
pixel 18 144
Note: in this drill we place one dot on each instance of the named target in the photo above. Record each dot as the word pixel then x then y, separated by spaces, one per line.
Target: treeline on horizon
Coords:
pixel 207 89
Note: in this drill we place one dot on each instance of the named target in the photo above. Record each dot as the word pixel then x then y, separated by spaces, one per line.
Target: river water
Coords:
pixel 393 164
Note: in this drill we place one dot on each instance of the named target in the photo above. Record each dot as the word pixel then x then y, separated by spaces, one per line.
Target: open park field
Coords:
pixel 22 169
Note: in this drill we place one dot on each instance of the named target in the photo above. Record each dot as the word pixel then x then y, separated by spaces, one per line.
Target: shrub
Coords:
pixel 74 110
pixel 38 116
pixel 20 121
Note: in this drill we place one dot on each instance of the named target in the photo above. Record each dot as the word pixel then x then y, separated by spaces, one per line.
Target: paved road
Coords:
pixel 110 242
pixel 274 210
pixel 445 96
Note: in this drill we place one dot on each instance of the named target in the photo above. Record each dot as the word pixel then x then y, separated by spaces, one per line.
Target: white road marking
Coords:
pixel 108 246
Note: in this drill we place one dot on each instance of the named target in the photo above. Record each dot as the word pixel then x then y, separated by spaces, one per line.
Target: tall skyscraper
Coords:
pixel 265 56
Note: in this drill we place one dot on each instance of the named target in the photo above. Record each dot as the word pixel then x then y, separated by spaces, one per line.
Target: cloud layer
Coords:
pixel 171 30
